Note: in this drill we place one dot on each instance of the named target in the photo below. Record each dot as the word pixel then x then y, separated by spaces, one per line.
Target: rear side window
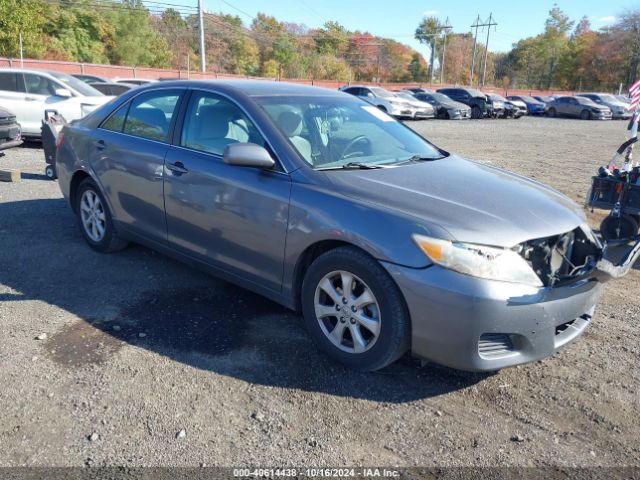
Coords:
pixel 115 122
pixel 150 115
pixel 9 82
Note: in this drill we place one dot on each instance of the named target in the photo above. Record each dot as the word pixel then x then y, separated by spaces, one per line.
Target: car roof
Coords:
pixel 32 70
pixel 252 88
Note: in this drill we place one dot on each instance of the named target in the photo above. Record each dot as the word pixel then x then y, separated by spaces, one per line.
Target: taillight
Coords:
pixel 60 140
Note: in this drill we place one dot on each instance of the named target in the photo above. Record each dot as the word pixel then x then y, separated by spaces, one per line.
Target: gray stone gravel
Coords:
pixel 239 375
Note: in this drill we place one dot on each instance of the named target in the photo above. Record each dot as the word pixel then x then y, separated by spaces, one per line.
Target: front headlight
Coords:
pixel 481 261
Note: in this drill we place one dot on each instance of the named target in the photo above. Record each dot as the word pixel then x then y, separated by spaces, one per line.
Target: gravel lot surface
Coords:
pixel 134 359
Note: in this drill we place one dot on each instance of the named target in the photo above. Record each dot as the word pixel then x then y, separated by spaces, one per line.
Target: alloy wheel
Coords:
pixel 93 215
pixel 347 311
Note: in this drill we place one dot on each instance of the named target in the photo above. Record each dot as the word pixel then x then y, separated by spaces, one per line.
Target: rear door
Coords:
pixel 234 218
pixel 127 155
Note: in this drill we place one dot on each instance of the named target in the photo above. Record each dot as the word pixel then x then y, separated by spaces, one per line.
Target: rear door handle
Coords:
pixel 99 144
pixel 30 99
pixel 177 167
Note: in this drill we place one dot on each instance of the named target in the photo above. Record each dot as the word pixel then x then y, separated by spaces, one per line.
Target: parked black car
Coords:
pixel 90 79
pixel 418 90
pixel 444 106
pixel 9 130
pixel 534 107
pixel 480 106
pixel 112 88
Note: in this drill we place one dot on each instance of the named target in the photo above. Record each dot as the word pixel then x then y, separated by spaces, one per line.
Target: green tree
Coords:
pixel 427 33
pixel 21 16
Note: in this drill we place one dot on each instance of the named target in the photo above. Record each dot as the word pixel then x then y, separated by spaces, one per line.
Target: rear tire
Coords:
pixel 94 218
pixel 362 334
pixel 618 228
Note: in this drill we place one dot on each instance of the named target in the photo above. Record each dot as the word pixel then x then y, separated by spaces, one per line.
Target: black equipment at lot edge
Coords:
pixel 51 126
pixel 618 190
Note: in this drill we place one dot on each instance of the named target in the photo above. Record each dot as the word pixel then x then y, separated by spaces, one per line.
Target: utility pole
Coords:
pixel 21 57
pixel 201 20
pixel 489 23
pixel 475 43
pixel 445 29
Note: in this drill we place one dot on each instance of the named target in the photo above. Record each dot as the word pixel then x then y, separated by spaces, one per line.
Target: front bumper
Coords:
pixel 422 114
pixel 459 114
pixel 459 321
pixel 10 136
pixel 601 115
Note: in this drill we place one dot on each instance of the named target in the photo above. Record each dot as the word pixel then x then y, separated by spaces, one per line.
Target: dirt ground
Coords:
pixel 134 359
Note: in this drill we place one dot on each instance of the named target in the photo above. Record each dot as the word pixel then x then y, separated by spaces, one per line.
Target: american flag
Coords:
pixel 634 94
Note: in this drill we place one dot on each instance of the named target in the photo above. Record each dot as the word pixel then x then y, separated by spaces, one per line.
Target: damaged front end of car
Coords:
pixel 576 255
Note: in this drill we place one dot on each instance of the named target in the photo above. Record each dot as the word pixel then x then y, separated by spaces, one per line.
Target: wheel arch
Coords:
pixel 76 179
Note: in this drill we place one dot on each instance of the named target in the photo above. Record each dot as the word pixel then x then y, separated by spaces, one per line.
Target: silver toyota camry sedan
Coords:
pixel 324 203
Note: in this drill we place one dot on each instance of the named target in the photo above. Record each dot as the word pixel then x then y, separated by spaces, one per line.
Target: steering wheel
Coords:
pixel 350 145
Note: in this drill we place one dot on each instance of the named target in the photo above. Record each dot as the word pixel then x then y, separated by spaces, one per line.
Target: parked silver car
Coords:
pixel 617 107
pixel 577 107
pixel 383 99
pixel 327 205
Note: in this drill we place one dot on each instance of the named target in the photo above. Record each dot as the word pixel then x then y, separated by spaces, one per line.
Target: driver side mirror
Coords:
pixel 63 92
pixel 247 155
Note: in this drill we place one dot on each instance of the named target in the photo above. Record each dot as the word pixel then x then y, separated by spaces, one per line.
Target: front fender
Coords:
pixel 318 215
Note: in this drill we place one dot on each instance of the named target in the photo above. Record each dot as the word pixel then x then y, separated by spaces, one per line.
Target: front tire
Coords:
pixel 354 311
pixel 552 113
pixel 476 112
pixel 94 218
pixel 585 115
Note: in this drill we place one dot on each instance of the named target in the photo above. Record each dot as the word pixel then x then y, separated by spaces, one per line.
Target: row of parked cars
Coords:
pixel 446 103
pixel 26 94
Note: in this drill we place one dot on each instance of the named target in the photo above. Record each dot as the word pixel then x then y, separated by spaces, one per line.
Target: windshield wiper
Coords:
pixel 353 165
pixel 362 166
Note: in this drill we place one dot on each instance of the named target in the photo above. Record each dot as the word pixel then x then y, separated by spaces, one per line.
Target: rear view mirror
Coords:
pixel 247 155
pixel 63 92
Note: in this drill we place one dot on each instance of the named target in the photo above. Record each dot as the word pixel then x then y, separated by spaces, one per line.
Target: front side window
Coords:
pixel 39 85
pixel 213 122
pixel 331 132
pixel 150 114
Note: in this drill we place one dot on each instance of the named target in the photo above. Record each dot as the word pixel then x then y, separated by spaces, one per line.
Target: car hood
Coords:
pixel 456 105
pixel 473 202
pixel 101 100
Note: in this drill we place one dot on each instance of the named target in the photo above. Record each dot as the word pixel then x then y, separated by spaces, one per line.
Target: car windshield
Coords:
pixel 495 96
pixel 381 92
pixel 77 85
pixel 608 98
pixel 439 97
pixel 406 96
pixel 584 100
pixel 475 93
pixel 336 132
pixel 526 99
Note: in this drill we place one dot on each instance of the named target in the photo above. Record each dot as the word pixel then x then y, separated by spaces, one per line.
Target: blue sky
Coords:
pixel 516 19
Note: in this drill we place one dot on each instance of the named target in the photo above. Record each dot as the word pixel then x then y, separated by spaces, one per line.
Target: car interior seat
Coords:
pixel 149 122
pixel 212 131
pixel 291 125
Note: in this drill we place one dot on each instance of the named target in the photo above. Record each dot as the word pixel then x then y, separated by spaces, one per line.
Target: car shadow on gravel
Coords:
pixel 144 300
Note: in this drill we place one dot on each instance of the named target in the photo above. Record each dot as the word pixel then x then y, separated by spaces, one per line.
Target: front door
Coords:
pixel 231 217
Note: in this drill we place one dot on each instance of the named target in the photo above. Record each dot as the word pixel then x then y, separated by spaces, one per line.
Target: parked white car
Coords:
pixel 28 93
pixel 422 109
pixel 383 99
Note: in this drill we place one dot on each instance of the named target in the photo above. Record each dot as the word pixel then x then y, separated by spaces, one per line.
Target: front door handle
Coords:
pixel 30 99
pixel 99 144
pixel 177 167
